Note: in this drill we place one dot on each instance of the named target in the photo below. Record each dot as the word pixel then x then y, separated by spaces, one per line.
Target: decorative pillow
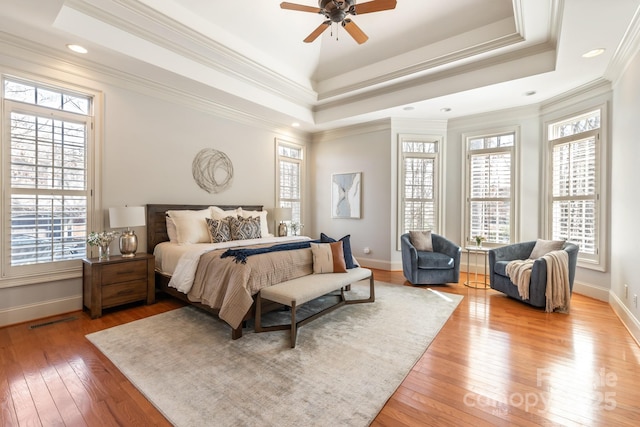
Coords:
pixel 328 258
pixel 346 247
pixel 191 226
pixel 245 228
pixel 171 230
pixel 264 225
pixel 218 213
pixel 543 247
pixel 219 230
pixel 421 240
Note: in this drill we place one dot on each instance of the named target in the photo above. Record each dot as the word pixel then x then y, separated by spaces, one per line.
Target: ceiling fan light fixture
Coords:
pixel 337 11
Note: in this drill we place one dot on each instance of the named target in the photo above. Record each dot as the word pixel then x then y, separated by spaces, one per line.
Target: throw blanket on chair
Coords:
pixel 558 291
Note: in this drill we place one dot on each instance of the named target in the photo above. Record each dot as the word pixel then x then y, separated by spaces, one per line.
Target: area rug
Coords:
pixel 344 368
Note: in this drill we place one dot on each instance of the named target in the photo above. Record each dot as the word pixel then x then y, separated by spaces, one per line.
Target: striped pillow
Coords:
pixel 328 258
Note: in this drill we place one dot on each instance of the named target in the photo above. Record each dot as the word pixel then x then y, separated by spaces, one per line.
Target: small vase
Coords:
pixel 103 252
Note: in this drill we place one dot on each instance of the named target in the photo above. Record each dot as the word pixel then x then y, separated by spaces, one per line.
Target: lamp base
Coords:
pixel 282 229
pixel 128 244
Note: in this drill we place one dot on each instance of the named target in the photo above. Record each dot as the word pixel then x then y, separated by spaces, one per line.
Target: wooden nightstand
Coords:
pixel 116 281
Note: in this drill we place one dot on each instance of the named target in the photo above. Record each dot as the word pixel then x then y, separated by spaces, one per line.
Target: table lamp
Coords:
pixel 127 216
pixel 281 215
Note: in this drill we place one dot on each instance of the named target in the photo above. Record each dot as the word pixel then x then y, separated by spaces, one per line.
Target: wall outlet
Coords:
pixel 626 291
pixel 635 300
pixel 367 250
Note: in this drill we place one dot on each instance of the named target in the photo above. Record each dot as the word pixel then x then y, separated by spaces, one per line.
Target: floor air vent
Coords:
pixel 53 322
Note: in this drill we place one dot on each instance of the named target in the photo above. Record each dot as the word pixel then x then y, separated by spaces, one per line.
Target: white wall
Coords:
pixel 625 200
pixel 363 149
pixel 149 139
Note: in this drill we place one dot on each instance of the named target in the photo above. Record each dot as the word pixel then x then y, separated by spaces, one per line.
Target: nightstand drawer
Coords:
pixel 122 293
pixel 124 272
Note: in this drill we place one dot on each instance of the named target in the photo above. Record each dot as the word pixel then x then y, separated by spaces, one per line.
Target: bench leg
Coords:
pixel 372 294
pixel 294 325
pixel 257 324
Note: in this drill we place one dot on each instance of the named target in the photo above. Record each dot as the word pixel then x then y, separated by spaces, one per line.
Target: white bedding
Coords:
pixel 181 261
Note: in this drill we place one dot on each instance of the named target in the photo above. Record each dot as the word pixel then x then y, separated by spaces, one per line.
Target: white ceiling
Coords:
pixel 248 56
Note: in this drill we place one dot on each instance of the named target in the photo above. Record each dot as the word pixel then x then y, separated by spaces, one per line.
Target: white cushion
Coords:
pixel 218 213
pixel 191 226
pixel 305 288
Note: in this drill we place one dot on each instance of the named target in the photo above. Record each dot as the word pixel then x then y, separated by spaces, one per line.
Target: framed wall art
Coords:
pixel 345 195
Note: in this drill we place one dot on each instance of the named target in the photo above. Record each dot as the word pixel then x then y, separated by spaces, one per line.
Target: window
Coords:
pixel 289 178
pixel 490 187
pixel 574 213
pixel 419 183
pixel 45 142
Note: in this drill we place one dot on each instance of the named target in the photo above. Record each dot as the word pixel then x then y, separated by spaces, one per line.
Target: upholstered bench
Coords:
pixel 294 293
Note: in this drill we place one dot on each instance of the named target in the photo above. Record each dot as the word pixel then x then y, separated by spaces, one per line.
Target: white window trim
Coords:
pixel 43 273
pixel 515 182
pixel 599 262
pixel 281 142
pixel 439 140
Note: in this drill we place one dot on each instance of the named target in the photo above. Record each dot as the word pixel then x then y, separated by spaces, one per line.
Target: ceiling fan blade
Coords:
pixel 314 35
pixel 299 7
pixel 374 6
pixel 354 31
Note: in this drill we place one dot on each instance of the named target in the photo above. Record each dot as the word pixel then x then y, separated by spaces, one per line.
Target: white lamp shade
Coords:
pixel 282 214
pixel 127 216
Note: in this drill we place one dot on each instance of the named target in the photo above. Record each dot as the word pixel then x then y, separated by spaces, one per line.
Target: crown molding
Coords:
pixel 75 67
pixel 542 48
pixel 424 66
pixel 194 46
pixel 626 50
pixel 598 87
pixel 348 131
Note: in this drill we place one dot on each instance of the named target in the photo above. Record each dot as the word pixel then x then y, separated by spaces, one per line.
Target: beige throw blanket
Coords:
pixel 558 292
pixel 223 284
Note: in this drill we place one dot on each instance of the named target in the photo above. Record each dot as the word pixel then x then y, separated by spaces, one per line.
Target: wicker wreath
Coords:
pixel 212 170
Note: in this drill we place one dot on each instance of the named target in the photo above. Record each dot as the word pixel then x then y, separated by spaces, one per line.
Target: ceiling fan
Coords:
pixel 337 11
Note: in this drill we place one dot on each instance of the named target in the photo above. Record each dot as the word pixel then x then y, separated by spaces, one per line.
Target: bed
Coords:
pixel 243 305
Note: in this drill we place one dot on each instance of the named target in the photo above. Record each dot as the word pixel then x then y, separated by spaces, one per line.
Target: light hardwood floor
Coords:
pixel 495 362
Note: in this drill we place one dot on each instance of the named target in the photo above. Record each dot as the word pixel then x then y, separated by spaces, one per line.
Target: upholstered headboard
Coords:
pixel 157 222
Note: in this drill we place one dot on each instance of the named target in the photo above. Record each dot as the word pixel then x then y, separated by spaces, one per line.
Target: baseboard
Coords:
pixel 379 264
pixel 626 317
pixel 26 313
pixel 591 291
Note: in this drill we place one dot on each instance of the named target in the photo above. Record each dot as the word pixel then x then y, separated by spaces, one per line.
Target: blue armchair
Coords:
pixel 500 257
pixel 431 268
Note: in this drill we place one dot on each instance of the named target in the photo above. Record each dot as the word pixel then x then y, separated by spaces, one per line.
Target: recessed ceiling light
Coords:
pixel 593 53
pixel 530 93
pixel 295 124
pixel 445 109
pixel 408 108
pixel 77 48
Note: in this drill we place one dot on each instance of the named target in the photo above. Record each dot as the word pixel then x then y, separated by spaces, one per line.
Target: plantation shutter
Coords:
pixel 48 202
pixel 419 184
pixel 574 192
pixel 490 196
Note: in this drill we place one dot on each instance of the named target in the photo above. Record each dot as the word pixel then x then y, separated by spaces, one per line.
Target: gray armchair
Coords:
pixel 500 257
pixel 431 268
